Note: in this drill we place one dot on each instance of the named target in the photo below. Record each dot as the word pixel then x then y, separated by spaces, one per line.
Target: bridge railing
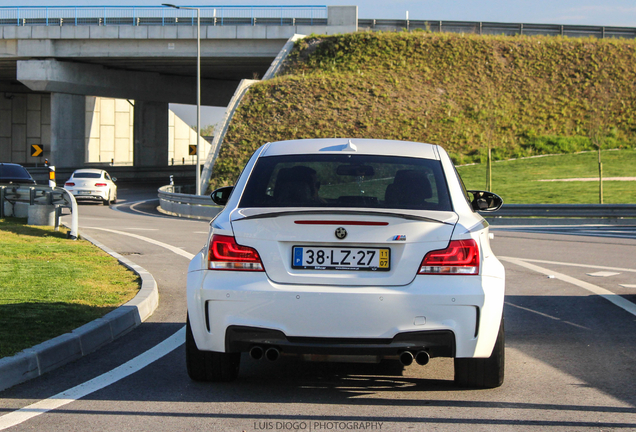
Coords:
pixel 163 16
pixel 497 28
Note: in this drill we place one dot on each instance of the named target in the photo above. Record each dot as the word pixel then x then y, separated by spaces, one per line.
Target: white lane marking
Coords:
pixel 116 206
pixel 620 269
pixel 546 315
pixel 627 285
pixel 603 274
pixel 132 207
pixel 149 240
pixel 607 295
pixel 71 395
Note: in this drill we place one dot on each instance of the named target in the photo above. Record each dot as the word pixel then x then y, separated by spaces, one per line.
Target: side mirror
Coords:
pixel 221 195
pixel 114 179
pixel 485 201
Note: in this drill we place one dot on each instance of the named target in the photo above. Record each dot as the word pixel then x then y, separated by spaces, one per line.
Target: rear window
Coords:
pixel 14 172
pixel 347 181
pixel 87 175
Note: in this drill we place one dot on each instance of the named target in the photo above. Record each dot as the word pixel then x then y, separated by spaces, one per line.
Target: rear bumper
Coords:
pixel 439 343
pixel 94 195
pixel 232 311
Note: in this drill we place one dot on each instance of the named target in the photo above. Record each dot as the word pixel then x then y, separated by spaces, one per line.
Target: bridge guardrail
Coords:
pixel 42 195
pixel 162 16
pixel 174 203
pixel 497 28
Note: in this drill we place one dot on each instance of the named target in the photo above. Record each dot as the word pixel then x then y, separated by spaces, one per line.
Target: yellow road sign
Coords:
pixel 193 150
pixel 36 150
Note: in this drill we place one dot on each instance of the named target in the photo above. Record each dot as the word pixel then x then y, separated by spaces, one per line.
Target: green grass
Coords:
pixel 523 95
pixel 50 285
pixel 516 180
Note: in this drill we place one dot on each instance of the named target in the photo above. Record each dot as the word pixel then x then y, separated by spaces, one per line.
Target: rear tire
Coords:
pixel 107 200
pixel 483 372
pixel 209 366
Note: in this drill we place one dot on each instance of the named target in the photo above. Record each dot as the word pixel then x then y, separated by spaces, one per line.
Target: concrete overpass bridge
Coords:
pixel 55 61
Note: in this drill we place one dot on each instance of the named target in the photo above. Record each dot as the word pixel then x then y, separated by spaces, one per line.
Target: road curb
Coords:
pixel 49 355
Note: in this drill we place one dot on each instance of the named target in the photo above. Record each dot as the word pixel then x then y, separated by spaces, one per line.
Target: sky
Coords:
pixel 588 12
pixel 621 13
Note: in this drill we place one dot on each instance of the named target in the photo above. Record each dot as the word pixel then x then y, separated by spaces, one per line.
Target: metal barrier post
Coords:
pixel 2 193
pixel 74 214
pixel 32 196
pixel 58 215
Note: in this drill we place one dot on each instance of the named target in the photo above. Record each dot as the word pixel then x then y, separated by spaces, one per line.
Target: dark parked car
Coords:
pixel 14 174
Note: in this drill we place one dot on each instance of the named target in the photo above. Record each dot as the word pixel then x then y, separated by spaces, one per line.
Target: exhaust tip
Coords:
pixel 256 352
pixel 272 354
pixel 422 358
pixel 406 358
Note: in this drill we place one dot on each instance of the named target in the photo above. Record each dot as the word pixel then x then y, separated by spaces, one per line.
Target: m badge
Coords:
pixel 341 233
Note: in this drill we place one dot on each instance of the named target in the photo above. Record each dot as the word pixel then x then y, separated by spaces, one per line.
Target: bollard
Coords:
pixel 52 177
pixel 172 180
pixel 31 196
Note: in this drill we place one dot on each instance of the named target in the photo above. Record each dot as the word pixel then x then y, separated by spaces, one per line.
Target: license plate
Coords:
pixel 83 192
pixel 354 259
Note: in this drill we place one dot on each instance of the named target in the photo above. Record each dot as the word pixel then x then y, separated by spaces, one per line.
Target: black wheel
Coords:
pixel 209 366
pixel 114 201
pixel 107 200
pixel 483 372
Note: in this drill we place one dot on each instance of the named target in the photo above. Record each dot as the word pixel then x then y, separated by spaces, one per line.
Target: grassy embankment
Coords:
pixel 50 285
pixel 522 95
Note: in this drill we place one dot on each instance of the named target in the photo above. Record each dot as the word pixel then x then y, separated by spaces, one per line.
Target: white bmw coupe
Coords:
pixel 348 250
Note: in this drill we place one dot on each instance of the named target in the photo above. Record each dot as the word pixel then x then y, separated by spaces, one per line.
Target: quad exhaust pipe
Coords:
pixel 421 358
pixel 257 352
pixel 272 354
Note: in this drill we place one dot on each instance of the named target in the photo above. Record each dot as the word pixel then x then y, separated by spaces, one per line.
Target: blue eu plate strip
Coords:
pixel 298 256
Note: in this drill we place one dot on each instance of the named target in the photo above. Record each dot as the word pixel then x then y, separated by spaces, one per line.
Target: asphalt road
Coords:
pixel 570 348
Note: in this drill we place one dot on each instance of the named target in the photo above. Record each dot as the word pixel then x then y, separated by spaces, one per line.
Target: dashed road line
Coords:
pixel 616 299
pixel 619 269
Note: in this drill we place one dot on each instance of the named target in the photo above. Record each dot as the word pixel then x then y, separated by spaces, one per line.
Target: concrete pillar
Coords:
pixel 68 124
pixel 151 134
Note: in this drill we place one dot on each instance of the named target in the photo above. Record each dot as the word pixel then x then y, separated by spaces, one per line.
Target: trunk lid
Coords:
pixel 408 234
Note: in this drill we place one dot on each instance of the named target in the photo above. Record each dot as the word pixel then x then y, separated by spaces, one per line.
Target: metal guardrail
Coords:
pixel 172 202
pixel 163 16
pixel 566 210
pixel 201 207
pixel 496 28
pixel 42 195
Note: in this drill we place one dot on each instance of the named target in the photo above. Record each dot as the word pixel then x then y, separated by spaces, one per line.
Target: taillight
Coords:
pixel 69 184
pixel 101 184
pixel 461 257
pixel 226 254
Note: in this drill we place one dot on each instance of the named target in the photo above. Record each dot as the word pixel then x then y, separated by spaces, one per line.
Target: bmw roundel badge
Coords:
pixel 341 233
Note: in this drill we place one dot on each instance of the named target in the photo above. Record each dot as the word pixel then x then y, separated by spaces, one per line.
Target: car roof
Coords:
pixel 352 146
